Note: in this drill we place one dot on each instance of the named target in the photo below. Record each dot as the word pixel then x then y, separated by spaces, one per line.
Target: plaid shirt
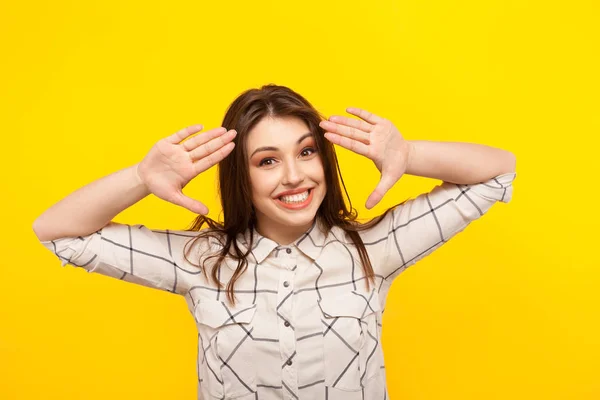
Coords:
pixel 304 325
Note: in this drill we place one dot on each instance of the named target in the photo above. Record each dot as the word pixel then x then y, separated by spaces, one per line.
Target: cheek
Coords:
pixel 262 182
pixel 316 170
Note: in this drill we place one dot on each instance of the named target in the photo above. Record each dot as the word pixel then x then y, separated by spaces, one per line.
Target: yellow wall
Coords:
pixel 507 310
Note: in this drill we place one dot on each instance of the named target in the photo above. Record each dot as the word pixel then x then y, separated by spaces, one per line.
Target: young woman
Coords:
pixel 289 289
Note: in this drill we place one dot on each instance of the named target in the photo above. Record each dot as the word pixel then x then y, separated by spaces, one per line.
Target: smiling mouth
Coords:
pixel 295 198
pixel 296 201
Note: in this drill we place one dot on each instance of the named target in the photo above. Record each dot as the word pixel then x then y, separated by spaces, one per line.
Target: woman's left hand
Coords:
pixel 375 138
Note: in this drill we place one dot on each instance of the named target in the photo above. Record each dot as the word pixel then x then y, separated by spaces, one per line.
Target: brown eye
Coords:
pixel 264 162
pixel 308 150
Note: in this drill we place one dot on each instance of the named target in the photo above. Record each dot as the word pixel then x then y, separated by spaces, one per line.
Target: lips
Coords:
pixel 296 206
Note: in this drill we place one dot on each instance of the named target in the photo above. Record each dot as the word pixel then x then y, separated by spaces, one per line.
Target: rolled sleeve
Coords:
pixel 132 253
pixel 414 229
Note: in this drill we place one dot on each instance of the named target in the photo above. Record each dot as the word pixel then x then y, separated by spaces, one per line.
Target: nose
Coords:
pixel 294 174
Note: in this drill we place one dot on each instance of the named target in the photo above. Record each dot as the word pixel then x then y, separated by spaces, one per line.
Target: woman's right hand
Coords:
pixel 171 164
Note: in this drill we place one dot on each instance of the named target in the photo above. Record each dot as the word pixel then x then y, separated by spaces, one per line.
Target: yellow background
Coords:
pixel 509 309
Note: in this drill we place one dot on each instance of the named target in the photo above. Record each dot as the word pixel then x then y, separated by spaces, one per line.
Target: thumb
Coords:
pixel 187 202
pixel 385 183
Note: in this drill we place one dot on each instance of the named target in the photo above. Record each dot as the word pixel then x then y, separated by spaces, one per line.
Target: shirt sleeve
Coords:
pixel 414 229
pixel 131 253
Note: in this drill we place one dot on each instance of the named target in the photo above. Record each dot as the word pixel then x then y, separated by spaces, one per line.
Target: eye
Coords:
pixel 264 162
pixel 310 151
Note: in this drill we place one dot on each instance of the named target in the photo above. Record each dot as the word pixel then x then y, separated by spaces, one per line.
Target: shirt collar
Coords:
pixel 311 242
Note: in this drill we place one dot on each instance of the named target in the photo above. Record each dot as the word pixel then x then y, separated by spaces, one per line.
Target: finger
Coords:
pixel 213 158
pixel 347 131
pixel 350 144
pixel 352 122
pixel 364 114
pixel 212 146
pixel 183 133
pixel 199 140
pixel 186 202
pixel 385 184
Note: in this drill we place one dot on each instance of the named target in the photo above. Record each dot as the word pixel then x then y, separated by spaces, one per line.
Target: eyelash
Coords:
pixel 262 162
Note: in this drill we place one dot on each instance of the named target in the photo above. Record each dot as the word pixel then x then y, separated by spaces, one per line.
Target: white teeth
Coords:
pixel 295 198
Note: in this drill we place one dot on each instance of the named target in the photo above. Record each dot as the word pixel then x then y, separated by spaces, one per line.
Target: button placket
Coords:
pixel 285 298
pixel 287 337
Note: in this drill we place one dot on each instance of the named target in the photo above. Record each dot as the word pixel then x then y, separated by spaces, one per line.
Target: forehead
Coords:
pixel 277 132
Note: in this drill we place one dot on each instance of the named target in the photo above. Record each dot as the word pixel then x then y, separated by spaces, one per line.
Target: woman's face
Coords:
pixel 286 176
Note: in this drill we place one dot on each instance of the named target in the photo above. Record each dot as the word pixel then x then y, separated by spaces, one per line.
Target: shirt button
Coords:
pixel 286 324
pixel 286 284
pixel 288 251
pixel 289 362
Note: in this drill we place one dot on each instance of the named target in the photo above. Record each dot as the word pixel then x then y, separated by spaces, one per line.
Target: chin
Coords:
pixel 298 220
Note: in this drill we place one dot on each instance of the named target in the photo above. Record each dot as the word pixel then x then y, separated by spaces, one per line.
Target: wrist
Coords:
pixel 410 156
pixel 139 181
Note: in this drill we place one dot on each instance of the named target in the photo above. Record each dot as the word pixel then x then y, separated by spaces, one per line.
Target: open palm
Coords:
pixel 375 138
pixel 175 160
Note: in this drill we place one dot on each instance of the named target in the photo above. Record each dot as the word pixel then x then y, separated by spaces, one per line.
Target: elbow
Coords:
pixel 38 230
pixel 513 162
pixel 510 163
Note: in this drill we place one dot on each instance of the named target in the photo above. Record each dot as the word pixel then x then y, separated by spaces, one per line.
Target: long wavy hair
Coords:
pixel 239 217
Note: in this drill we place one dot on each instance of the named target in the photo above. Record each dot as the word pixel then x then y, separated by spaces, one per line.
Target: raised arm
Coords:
pixel 379 140
pixel 79 230
pixel 475 178
pixel 167 168
pixel 91 207
pixel 456 162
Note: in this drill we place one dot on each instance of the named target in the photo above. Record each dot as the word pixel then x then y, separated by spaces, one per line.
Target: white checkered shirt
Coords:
pixel 304 325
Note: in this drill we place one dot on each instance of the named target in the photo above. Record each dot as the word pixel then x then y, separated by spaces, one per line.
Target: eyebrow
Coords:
pixel 271 148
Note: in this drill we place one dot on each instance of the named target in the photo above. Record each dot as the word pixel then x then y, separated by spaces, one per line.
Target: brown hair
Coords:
pixel 234 182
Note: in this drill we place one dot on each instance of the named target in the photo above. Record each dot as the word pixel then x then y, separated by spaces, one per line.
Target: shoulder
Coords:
pixel 366 229
pixel 208 237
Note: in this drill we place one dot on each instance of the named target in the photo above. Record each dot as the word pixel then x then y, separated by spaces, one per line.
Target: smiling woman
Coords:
pixel 288 290
pixel 280 150
pixel 287 179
